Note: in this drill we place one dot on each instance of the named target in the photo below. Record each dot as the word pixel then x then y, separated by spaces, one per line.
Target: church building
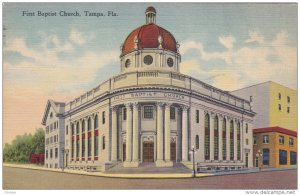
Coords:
pixel 150 113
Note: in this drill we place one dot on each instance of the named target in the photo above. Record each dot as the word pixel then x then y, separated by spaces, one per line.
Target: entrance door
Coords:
pixel 256 161
pixel 173 151
pixel 124 151
pixel 148 152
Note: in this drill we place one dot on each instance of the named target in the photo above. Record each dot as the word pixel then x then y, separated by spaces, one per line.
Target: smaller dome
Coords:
pixel 150 9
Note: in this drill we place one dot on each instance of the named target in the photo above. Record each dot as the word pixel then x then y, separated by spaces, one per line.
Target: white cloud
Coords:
pixel 78 37
pixel 275 60
pixel 227 41
pixel 255 37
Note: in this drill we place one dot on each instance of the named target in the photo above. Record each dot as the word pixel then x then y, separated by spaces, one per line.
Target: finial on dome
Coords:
pixel 150 15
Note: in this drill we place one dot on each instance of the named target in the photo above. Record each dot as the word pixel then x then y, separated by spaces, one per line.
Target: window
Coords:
pixel 231 141
pixel 293 158
pixel 279 96
pixel 56 152
pixel 238 141
pixel 47 141
pixel 72 149
pixel 77 128
pixel 281 139
pixel 216 138
pixel 51 153
pixel 266 156
pixel 266 139
pixel 103 143
pixel 224 139
pixel 89 124
pixel 288 99
pixel 207 137
pixel 247 159
pixel 96 122
pixel 197 116
pixel 54 125
pixel 247 141
pixel 77 149
pixel 46 154
pixel 54 137
pixel 67 130
pixel 170 62
pixel 51 115
pixel 82 126
pixel 254 140
pixel 72 128
pixel 124 114
pixel 89 146
pixel 148 112
pixel 96 146
pixel 282 157
pixel 288 109
pixel 246 127
pixel 127 63
pixel 103 117
pixel 148 60
pixel 51 127
pixel 172 113
pixel 291 141
pixel 197 142
pixel 279 107
pixel 83 148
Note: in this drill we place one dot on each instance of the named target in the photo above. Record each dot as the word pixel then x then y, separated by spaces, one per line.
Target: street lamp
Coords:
pixel 259 156
pixel 193 151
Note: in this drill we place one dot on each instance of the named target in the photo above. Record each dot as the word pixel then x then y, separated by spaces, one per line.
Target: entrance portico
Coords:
pixel 153 145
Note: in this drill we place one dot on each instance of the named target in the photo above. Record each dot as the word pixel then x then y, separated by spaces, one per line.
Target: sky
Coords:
pixel 227 45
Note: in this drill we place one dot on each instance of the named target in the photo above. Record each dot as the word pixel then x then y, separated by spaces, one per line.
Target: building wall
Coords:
pixel 282 118
pixel 274 146
pixel 260 102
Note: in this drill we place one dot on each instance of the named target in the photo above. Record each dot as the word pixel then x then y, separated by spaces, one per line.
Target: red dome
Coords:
pixel 148 38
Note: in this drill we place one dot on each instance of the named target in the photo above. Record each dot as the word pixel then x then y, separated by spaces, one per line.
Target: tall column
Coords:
pixel 114 139
pixel 135 133
pixel 235 139
pixel 167 133
pixel 220 122
pixel 86 140
pixel 75 141
pixel 92 136
pixel 228 138
pixel 184 133
pixel 160 136
pixel 128 132
pixel 80 141
pixel 211 136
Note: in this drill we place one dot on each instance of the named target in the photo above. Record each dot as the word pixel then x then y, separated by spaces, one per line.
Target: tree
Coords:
pixel 23 146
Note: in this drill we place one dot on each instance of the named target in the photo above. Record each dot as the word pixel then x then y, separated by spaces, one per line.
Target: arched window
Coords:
pixel 238 141
pixel 197 142
pixel 83 126
pixel 77 128
pixel 72 129
pixel 246 127
pixel 224 152
pixel 216 138
pixel 103 143
pixel 96 122
pixel 67 129
pixel 207 137
pixel 89 124
pixel 231 140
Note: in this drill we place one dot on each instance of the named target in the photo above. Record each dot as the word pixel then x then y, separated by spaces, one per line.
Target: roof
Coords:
pixel 51 103
pixel 148 38
pixel 275 130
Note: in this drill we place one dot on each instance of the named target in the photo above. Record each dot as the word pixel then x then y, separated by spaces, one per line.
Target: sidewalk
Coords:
pixel 143 175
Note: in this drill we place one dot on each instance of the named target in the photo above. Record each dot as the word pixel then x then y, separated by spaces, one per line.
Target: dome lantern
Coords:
pixel 150 15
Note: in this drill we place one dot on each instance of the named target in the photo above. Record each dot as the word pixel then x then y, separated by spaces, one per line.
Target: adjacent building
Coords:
pixel 150 113
pixel 275 123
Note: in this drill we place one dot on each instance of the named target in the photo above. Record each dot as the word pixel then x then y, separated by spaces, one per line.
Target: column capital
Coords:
pixel 159 104
pixel 135 105
pixel 184 107
pixel 168 105
pixel 128 105
pixel 114 108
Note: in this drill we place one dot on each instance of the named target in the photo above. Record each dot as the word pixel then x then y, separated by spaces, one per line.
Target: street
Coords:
pixel 18 178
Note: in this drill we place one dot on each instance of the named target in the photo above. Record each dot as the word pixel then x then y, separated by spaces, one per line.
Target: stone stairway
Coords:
pixel 149 168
